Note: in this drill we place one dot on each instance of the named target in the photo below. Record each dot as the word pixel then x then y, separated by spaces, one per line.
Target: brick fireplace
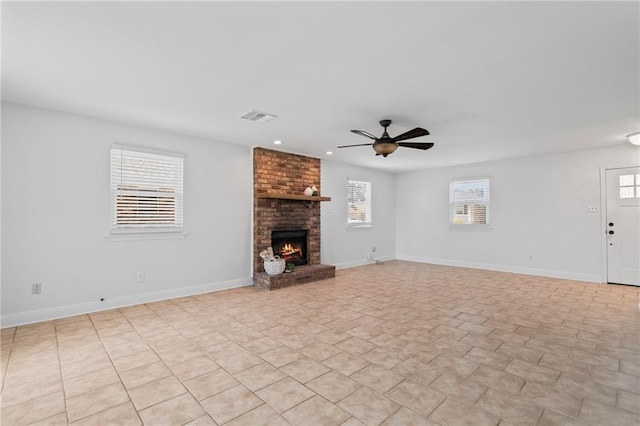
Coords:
pixel 279 181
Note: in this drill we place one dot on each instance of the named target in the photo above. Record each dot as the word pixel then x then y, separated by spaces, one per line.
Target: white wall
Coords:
pixel 538 208
pixel 55 217
pixel 342 246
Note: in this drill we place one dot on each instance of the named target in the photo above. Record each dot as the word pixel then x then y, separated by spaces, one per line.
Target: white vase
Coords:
pixel 308 192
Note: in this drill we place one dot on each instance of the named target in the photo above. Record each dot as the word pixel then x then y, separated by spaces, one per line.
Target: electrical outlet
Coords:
pixel 36 288
pixel 593 209
pixel 140 277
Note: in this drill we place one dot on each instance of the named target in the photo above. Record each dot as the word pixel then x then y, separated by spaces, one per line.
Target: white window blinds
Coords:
pixel 146 190
pixel 469 202
pixel 358 203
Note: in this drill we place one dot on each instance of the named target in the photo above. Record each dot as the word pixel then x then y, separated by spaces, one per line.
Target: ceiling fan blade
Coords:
pixel 417 145
pixel 415 133
pixel 361 144
pixel 365 134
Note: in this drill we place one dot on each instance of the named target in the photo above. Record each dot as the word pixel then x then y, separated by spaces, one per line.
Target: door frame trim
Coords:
pixel 603 218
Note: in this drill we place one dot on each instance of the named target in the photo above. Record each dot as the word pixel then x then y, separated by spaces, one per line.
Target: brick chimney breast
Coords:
pixel 282 173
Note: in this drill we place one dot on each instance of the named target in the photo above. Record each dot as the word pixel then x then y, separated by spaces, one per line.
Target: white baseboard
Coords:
pixel 48 314
pixel 29 317
pixel 506 268
pixel 353 264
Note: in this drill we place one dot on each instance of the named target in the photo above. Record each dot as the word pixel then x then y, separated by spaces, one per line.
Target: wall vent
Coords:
pixel 257 116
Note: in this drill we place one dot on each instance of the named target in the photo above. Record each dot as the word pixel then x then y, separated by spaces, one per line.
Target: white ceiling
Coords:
pixel 489 80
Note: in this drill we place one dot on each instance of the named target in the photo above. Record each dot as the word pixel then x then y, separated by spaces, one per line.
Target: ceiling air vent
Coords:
pixel 257 116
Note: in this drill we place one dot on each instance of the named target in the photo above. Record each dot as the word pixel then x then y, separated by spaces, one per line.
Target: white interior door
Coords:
pixel 623 225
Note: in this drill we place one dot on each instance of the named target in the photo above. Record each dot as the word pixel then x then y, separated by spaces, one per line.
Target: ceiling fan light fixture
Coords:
pixel 634 138
pixel 385 148
pixel 385 144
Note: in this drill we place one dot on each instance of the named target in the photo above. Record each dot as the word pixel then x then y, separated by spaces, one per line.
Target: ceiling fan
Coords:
pixel 385 144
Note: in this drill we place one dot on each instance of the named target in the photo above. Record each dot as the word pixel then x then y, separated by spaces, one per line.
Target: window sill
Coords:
pixel 146 236
pixel 365 225
pixel 473 228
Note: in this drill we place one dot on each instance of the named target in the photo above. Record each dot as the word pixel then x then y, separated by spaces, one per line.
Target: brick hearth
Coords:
pixel 301 275
pixel 279 173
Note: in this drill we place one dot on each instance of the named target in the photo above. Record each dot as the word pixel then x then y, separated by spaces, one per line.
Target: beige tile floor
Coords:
pixel 394 344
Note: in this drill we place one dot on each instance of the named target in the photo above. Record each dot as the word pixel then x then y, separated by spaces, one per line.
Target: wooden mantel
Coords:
pixel 293 197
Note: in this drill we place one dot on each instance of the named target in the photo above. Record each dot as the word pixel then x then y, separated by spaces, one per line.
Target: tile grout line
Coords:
pixel 163 362
pixel 205 354
pixel 115 369
pixel 571 310
pixel 64 392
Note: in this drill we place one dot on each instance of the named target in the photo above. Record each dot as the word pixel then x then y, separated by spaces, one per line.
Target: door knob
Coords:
pixel 611 232
pixel 610 223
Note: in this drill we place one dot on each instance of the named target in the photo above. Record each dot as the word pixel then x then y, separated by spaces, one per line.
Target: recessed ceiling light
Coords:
pixel 277 142
pixel 634 138
pixel 329 152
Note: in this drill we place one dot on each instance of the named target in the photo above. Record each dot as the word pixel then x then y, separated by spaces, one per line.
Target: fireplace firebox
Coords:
pixel 290 245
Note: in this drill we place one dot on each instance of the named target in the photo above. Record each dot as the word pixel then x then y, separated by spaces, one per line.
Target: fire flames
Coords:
pixel 289 250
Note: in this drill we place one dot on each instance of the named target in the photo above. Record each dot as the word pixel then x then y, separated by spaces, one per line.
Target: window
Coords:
pixel 469 202
pixel 146 191
pixel 359 203
pixel 627 186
